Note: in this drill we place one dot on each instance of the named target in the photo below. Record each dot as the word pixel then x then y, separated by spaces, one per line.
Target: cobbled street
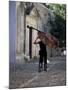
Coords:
pixel 27 76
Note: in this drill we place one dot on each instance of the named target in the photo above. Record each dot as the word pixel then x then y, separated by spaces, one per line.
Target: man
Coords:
pixel 42 53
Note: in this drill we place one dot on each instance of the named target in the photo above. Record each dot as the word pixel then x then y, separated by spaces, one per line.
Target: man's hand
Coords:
pixel 34 42
pixel 37 40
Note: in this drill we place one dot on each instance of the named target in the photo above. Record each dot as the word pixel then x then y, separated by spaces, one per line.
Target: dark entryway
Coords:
pixel 30 43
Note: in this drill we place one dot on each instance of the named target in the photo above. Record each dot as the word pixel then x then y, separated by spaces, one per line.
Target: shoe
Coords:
pixel 45 67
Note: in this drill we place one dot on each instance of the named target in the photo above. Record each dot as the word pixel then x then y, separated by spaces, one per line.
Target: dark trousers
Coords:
pixel 43 58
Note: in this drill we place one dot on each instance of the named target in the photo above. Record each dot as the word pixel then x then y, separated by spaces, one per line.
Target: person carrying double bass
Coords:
pixel 42 53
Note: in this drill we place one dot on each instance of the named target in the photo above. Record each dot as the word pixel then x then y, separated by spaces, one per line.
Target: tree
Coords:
pixel 59 25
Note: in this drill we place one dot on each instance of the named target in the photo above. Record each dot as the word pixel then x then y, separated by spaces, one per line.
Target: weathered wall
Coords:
pixel 37 18
pixel 31 20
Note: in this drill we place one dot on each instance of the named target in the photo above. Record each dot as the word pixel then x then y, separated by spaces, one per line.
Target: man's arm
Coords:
pixel 36 42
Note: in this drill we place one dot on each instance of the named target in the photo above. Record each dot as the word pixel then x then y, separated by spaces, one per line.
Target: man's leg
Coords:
pixel 45 62
pixel 40 62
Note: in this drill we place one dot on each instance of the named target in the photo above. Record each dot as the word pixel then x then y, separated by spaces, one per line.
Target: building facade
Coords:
pixel 37 16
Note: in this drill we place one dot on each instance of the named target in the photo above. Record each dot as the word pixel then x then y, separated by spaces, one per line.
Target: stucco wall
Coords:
pixel 38 18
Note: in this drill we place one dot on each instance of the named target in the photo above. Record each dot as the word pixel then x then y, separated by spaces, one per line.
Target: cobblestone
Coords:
pixel 26 75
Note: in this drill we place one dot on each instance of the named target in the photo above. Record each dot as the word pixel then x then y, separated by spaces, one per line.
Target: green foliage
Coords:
pixel 59 9
pixel 59 25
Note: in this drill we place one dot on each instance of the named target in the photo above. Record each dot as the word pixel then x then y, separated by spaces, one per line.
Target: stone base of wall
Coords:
pixel 21 58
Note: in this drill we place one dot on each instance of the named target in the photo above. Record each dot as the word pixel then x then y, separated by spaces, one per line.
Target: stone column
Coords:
pixel 23 28
pixel 20 29
pixel 20 39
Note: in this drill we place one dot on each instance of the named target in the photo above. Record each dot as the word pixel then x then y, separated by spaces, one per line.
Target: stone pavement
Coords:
pixel 27 75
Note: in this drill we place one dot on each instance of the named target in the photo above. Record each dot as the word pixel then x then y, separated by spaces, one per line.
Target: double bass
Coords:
pixel 48 40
